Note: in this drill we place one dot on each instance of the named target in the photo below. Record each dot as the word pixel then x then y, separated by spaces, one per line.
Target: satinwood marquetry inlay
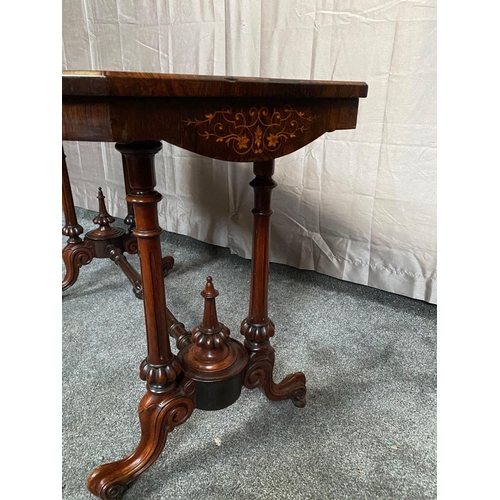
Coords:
pixel 256 130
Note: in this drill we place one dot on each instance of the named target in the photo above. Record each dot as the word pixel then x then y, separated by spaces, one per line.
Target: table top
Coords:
pixel 234 119
pixel 132 84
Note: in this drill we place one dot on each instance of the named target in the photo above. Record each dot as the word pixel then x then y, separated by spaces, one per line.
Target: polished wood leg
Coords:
pixel 169 399
pixel 75 254
pixel 130 243
pixel 71 227
pixel 257 327
pixel 129 219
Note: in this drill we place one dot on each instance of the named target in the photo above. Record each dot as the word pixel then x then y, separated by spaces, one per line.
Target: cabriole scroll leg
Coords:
pixel 159 414
pixel 257 327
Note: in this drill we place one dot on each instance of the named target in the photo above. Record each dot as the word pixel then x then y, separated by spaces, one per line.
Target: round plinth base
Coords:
pixel 220 387
pixel 218 395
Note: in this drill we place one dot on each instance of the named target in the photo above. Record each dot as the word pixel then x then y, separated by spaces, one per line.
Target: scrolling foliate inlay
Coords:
pixel 256 130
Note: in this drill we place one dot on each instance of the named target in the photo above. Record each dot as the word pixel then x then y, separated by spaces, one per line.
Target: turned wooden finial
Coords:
pixel 210 335
pixel 210 322
pixel 103 219
pixel 104 232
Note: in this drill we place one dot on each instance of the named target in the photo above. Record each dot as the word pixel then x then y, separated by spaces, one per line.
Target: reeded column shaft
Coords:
pixel 160 369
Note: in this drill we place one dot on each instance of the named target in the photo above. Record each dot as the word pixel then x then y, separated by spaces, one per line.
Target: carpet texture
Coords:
pixel 368 430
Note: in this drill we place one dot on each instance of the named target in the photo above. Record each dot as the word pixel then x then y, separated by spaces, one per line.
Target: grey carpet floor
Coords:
pixel 368 430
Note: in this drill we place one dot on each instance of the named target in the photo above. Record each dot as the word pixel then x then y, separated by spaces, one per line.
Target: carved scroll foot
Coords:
pixel 259 373
pixel 159 414
pixel 75 255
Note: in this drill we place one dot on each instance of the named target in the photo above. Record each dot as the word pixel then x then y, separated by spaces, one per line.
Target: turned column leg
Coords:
pixel 130 243
pixel 75 254
pixel 257 327
pixel 169 401
pixel 71 227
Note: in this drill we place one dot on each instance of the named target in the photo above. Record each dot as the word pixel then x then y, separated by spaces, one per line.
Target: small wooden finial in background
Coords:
pixel 210 321
pixel 103 219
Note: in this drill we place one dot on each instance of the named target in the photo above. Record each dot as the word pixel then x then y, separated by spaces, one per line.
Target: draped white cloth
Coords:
pixel 359 205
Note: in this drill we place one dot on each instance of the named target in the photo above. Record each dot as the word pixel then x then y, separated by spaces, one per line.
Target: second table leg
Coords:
pixel 76 253
pixel 257 327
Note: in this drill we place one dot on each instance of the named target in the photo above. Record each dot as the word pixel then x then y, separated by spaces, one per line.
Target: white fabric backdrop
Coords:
pixel 359 205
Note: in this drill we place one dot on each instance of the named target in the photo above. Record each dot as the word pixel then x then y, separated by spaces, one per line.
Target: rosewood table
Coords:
pixel 233 119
